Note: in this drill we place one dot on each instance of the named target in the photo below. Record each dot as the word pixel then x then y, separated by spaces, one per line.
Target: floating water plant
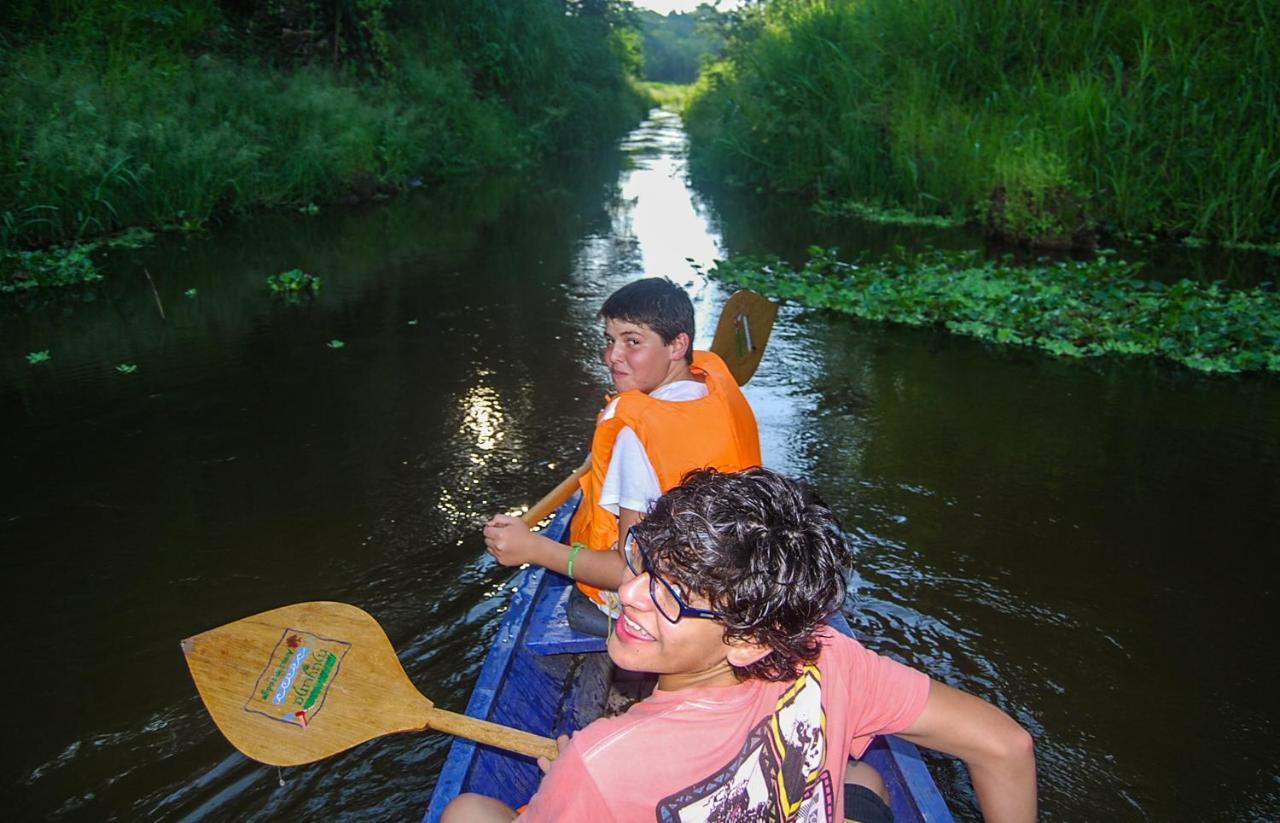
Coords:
pixel 884 216
pixel 293 281
pixel 1068 308
pixel 133 238
pixel 126 368
pixel 35 358
pixel 191 224
pixel 335 343
pixel 24 270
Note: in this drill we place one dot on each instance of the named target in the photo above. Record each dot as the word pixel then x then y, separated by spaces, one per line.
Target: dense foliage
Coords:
pixel 1049 119
pixel 142 112
pixel 675 44
pixel 1069 308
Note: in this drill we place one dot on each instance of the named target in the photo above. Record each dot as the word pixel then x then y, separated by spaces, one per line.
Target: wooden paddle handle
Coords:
pixel 492 734
pixel 552 500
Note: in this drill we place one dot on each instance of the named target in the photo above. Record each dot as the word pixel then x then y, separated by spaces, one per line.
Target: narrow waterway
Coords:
pixel 1091 545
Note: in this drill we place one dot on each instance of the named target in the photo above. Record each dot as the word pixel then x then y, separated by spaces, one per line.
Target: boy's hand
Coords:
pixel 509 540
pixel 562 743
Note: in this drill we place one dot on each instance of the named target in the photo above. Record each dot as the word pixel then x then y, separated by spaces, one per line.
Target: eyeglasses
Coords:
pixel 665 594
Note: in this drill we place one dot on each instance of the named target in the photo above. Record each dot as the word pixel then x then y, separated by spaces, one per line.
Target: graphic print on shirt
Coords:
pixel 777 774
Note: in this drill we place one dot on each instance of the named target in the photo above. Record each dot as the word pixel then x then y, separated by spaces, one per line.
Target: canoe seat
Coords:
pixel 549 631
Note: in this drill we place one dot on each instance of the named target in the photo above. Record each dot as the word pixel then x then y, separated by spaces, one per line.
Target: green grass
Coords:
pixel 117 117
pixel 670 96
pixel 90 155
pixel 1141 116
pixel 1069 308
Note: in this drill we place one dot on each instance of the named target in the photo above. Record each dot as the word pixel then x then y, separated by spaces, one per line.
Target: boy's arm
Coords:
pixel 998 752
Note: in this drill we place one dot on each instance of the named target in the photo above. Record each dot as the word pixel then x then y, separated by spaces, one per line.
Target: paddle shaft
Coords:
pixel 492 734
pixel 552 499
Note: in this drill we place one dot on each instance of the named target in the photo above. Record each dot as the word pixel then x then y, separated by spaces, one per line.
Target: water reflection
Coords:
pixel 671 228
pixel 483 420
pixel 656 228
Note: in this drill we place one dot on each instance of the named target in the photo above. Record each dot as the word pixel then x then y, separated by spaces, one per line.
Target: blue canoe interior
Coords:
pixel 543 677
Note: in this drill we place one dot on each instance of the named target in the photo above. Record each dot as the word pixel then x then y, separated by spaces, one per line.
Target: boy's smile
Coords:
pixel 687 654
pixel 638 359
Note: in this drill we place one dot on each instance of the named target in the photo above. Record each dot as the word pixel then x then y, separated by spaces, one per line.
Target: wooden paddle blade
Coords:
pixel 300 683
pixel 743 331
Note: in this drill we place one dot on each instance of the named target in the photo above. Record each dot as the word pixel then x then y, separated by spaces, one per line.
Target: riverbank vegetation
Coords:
pixel 670 96
pixel 126 113
pixel 1051 123
pixel 1067 308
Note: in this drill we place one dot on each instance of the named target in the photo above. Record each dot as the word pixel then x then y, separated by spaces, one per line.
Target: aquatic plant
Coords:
pixel 188 224
pixel 35 358
pixel 293 281
pixel 888 216
pixel 1068 308
pixel 58 266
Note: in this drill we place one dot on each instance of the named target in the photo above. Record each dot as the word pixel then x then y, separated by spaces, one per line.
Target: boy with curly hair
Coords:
pixel 759 703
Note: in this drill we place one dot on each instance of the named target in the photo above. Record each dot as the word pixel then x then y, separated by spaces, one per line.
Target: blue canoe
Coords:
pixel 544 677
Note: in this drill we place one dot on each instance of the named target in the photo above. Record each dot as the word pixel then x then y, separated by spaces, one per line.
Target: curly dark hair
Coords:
pixel 655 302
pixel 764 550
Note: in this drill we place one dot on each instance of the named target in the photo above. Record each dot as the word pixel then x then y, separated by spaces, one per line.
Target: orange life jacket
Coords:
pixel 717 431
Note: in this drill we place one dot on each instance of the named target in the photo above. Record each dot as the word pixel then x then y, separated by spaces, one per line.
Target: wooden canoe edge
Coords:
pixel 497 662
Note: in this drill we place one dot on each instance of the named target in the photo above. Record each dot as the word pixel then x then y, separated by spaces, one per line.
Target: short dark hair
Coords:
pixel 655 302
pixel 766 552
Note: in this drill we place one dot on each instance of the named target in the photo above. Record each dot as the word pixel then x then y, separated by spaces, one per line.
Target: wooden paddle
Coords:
pixel 303 682
pixel 741 335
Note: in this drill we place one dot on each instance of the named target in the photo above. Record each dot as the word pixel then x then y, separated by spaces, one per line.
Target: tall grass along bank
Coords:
pixel 118 114
pixel 1069 308
pixel 1051 121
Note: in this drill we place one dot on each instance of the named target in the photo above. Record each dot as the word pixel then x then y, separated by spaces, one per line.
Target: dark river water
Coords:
pixel 1090 545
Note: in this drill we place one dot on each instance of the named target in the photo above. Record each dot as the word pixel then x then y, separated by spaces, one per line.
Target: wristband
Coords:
pixel 573 555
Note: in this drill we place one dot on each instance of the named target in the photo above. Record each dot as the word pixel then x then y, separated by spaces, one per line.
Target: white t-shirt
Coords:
pixel 630 481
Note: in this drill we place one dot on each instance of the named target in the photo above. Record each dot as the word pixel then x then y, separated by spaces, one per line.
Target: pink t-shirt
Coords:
pixel 755 751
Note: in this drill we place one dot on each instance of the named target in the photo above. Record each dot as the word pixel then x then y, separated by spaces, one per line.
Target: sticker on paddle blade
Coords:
pixel 292 688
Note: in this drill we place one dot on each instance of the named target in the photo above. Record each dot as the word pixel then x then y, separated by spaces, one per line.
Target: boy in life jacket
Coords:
pixel 676 410
pixel 759 703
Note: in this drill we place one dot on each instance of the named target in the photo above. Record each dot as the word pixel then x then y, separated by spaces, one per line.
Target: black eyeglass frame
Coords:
pixel 654 578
